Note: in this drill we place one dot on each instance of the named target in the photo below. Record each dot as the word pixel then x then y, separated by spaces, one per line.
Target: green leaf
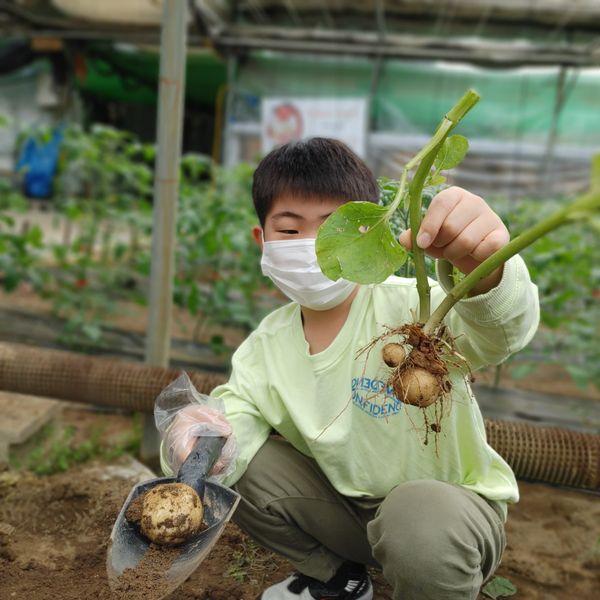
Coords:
pixel 193 299
pixel 452 153
pixel 35 236
pixel 437 180
pixel 7 220
pixel 356 243
pixel 499 587
pixel 11 280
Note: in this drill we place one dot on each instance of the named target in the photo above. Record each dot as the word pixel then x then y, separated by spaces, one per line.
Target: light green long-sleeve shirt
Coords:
pixel 337 408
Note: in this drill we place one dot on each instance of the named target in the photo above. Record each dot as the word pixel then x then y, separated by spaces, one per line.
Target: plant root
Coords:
pixel 422 378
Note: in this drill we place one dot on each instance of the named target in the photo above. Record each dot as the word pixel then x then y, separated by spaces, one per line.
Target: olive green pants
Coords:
pixel 433 540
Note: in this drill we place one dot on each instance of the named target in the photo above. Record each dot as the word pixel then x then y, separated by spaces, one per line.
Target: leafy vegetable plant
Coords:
pixel 357 243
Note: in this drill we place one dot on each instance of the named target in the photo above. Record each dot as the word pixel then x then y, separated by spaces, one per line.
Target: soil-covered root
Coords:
pixel 422 377
pixel 420 369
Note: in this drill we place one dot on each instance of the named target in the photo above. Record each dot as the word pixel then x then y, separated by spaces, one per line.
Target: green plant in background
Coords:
pixel 217 274
pixel 56 450
pixel 103 191
pixel 103 197
pixel 107 182
pixel 569 335
pixel 19 250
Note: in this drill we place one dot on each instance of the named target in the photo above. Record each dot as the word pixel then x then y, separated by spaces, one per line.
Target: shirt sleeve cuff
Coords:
pixel 495 304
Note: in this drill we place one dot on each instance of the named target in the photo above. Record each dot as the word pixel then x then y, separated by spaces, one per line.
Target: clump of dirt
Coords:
pixel 134 510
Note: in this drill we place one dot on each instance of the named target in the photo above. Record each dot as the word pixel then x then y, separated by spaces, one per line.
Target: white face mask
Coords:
pixel 292 266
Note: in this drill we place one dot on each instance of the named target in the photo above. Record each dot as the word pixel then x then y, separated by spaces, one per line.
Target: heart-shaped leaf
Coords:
pixel 356 243
pixel 452 152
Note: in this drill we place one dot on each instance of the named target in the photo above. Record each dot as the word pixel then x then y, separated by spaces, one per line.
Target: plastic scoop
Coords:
pixel 128 546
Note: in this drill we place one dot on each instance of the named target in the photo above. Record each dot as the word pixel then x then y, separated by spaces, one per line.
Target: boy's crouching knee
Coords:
pixel 414 540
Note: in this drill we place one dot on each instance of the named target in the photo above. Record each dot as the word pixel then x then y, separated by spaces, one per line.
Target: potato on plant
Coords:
pixel 393 354
pixel 417 387
pixel 171 513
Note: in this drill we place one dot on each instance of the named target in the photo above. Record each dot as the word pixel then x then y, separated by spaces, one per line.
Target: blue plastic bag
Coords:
pixel 39 161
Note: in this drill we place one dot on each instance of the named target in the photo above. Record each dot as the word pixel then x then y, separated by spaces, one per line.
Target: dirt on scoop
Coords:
pixel 134 510
pixel 145 581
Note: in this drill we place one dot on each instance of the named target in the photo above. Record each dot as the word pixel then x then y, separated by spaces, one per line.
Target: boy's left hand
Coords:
pixel 463 229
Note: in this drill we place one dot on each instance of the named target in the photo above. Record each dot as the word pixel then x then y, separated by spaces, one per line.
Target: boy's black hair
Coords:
pixel 320 168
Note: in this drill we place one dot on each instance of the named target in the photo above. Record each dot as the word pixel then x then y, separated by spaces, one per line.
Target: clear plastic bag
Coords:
pixel 182 414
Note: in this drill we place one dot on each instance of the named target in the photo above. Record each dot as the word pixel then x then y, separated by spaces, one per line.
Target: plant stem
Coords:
pixel 426 156
pixel 414 209
pixel 451 120
pixel 580 209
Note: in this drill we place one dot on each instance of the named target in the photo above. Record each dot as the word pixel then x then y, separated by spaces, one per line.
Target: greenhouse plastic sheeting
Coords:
pixel 411 96
pixel 512 125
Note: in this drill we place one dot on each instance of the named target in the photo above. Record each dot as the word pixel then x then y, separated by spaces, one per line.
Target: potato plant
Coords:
pixel 357 243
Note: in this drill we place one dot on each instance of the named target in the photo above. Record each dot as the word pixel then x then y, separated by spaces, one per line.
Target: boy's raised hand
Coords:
pixel 460 227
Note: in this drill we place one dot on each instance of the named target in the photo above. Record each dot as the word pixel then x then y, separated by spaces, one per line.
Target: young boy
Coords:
pixel 349 481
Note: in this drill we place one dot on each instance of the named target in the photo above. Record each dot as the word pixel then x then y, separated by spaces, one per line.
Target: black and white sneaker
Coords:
pixel 351 582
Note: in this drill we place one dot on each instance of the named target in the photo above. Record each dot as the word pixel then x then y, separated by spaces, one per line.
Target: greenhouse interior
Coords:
pixel 218 221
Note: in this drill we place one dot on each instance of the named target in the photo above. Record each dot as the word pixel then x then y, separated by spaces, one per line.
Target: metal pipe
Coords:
pixel 166 182
pixel 577 56
pixel 166 189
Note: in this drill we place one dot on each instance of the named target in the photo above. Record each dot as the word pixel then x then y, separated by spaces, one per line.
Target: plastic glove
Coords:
pixel 182 414
pixel 192 422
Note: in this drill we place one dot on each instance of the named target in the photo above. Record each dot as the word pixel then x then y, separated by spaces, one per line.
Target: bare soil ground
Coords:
pixel 54 533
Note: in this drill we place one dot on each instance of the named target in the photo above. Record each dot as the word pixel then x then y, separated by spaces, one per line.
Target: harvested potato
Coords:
pixel 171 513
